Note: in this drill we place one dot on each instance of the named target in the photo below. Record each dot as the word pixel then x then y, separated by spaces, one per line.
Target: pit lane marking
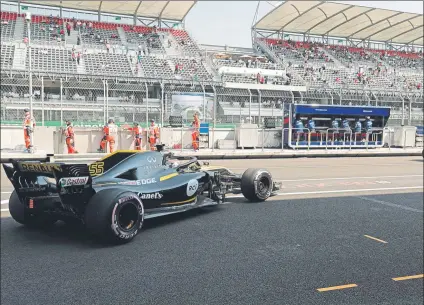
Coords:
pixel 342 191
pixel 409 277
pixel 337 287
pixel 376 239
pixel 390 204
pixel 350 178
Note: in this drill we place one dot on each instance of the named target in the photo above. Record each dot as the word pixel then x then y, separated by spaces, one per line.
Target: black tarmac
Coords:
pixel 289 250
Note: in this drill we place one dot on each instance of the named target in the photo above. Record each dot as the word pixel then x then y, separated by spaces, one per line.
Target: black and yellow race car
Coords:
pixel 113 196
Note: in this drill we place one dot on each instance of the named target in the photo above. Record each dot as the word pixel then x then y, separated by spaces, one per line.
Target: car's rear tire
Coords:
pixel 24 216
pixel 114 215
pixel 256 184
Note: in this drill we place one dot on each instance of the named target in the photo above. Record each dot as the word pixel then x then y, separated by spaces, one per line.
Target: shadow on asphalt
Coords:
pixel 75 234
pixel 64 233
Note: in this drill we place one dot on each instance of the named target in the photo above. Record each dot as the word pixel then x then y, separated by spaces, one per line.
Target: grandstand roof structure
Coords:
pixel 344 20
pixel 168 10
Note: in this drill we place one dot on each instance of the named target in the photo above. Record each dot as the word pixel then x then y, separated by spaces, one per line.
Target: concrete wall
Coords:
pixel 52 140
pixel 87 140
pixel 13 137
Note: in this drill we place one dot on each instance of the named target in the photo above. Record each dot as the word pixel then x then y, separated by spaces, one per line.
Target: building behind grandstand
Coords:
pixel 130 60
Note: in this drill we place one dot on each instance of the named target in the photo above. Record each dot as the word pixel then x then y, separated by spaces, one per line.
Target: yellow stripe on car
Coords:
pixel 163 178
pixel 180 202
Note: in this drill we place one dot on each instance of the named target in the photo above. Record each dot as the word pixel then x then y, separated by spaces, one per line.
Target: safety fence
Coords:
pixel 91 102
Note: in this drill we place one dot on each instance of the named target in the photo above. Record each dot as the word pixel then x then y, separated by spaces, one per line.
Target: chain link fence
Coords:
pixel 183 100
pixel 233 105
pixel 93 102
pixel 396 102
pixel 14 99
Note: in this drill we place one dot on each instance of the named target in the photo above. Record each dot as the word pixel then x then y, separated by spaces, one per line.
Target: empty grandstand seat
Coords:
pixel 191 68
pixel 52 60
pixel 186 42
pixel 156 67
pixel 104 63
pixel 7 53
pixel 8 21
pixel 100 34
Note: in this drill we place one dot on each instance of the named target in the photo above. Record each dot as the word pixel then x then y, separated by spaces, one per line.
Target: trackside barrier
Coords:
pixel 257 137
pixel 301 131
pixel 376 134
pixel 337 131
pixel 51 140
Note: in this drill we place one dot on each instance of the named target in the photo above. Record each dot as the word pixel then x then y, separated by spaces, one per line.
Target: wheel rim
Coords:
pixel 264 185
pixel 128 216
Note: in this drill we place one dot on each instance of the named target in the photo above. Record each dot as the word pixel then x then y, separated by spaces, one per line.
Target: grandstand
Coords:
pixel 129 69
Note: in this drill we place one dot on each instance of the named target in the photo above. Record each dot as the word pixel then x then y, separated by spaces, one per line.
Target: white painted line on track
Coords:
pixel 7 192
pixel 322 192
pixel 342 191
pixel 349 178
pixel 323 166
pixel 390 204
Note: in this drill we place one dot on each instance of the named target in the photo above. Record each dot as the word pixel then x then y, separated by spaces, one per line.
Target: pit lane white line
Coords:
pixel 350 178
pixel 341 191
pixel 390 204
pixel 3 202
pixel 319 166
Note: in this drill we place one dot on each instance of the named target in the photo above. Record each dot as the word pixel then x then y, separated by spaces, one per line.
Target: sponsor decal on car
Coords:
pixel 192 187
pixel 126 198
pixel 151 159
pixel 148 181
pixel 38 167
pixel 138 182
pixel 131 182
pixel 156 195
pixel 73 181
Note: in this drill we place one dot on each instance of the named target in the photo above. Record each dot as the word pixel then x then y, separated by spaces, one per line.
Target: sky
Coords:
pixel 229 22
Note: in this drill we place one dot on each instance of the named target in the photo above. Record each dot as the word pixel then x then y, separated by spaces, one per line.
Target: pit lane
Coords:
pixel 354 224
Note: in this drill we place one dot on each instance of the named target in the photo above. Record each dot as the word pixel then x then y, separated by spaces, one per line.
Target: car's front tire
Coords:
pixel 256 184
pixel 24 216
pixel 114 215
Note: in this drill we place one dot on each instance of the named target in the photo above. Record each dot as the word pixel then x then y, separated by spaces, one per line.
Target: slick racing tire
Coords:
pixel 256 184
pixel 24 216
pixel 114 215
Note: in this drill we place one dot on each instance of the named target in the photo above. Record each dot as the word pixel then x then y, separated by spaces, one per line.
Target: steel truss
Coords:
pixel 325 39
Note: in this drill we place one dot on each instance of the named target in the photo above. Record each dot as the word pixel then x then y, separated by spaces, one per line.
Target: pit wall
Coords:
pixel 52 140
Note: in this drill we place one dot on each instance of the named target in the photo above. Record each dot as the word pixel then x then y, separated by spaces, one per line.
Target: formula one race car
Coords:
pixel 114 195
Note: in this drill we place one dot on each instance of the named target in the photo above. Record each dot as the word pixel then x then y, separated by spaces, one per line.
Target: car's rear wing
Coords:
pixel 71 182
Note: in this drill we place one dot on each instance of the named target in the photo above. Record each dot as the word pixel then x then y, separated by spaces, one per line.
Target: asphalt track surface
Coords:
pixel 342 231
